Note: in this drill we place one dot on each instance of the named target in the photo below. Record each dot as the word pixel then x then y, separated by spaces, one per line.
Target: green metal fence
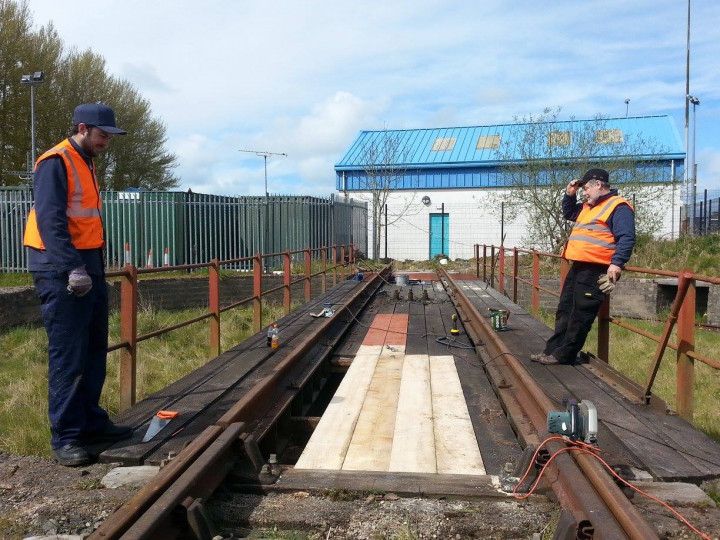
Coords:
pixel 175 228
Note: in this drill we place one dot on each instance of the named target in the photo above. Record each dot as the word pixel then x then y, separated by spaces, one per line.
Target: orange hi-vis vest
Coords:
pixel 83 205
pixel 591 240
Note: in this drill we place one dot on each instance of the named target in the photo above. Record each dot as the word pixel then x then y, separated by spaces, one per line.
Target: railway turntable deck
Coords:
pixel 394 392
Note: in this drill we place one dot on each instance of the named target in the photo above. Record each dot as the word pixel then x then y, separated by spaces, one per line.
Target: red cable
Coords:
pixel 584 448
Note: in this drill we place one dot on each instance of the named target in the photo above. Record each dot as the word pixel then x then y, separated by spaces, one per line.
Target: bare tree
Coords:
pixel 542 155
pixel 383 158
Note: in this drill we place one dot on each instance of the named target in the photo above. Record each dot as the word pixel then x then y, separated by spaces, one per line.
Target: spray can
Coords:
pixel 274 341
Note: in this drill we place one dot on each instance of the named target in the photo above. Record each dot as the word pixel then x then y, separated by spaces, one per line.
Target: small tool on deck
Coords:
pixel 159 421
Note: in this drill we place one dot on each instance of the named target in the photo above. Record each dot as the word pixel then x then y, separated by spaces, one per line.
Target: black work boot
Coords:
pixel 71 455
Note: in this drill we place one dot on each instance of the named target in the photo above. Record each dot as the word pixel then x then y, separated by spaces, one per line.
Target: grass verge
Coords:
pixel 161 360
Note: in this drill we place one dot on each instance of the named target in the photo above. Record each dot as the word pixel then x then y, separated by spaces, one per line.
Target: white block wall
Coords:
pixel 473 220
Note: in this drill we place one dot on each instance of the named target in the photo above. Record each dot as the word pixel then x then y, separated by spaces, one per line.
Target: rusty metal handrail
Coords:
pixel 129 338
pixel 682 316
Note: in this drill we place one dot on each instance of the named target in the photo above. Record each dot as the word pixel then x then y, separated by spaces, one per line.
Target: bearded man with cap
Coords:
pixel 600 244
pixel 64 236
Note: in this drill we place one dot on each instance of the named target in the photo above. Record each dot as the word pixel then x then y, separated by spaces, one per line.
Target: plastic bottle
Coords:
pixel 269 335
pixel 274 341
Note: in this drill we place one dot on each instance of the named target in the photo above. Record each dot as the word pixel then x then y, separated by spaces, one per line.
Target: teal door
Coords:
pixel 439 234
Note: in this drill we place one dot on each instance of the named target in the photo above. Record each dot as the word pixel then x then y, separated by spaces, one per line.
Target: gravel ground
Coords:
pixel 39 497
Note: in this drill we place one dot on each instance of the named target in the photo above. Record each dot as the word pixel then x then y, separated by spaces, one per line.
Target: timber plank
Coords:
pixel 328 444
pixel 413 443
pixel 372 439
pixel 456 448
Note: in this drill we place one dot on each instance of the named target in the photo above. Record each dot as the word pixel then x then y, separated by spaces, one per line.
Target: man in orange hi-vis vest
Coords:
pixel 64 237
pixel 599 245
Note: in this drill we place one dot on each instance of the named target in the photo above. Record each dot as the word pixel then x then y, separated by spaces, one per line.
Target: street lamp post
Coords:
pixel 693 163
pixel 264 155
pixel 32 81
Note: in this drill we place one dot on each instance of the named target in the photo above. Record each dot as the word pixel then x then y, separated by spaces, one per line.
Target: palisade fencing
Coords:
pixel 157 228
pixel 707 216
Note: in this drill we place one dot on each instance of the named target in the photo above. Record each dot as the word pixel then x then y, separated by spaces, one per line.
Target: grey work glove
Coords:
pixel 606 284
pixel 79 282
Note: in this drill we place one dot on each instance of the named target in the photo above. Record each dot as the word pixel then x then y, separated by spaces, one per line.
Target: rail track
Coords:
pixel 172 504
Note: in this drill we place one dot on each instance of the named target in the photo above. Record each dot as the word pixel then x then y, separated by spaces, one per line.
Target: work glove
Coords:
pixel 79 282
pixel 606 284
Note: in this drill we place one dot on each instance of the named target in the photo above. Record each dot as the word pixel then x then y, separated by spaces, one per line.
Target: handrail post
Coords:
pixel 334 264
pixel 685 364
pixel 308 261
pixel 287 277
pixel 684 280
pixel 323 258
pixel 492 268
pixel 485 263
pixel 603 337
pixel 128 334
pixel 564 269
pixel 515 275
pixel 342 262
pixel 257 292
pixel 214 305
pixel 535 283
pixel 477 261
pixel 501 272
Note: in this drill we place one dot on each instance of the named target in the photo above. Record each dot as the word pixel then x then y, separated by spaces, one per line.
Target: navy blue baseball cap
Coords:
pixel 99 115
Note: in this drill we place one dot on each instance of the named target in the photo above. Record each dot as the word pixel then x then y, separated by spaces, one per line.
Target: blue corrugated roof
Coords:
pixel 417 144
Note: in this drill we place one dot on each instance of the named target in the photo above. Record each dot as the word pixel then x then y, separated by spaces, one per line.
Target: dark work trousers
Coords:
pixel 77 330
pixel 580 301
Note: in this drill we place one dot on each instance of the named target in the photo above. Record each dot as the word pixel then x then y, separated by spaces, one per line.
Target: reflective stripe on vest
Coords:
pixel 591 240
pixel 75 208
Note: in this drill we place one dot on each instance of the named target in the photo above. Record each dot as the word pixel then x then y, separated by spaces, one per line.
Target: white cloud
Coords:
pixel 304 77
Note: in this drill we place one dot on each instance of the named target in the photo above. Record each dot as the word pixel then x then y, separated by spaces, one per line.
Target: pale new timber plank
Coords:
pixel 328 444
pixel 413 448
pixel 456 447
pixel 371 442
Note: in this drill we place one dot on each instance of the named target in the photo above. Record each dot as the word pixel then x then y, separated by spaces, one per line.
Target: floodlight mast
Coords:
pixel 265 155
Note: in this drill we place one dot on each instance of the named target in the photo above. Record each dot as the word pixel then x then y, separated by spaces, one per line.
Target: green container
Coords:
pixel 499 319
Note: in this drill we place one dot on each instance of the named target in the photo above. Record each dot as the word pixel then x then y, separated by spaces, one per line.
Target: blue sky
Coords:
pixel 304 77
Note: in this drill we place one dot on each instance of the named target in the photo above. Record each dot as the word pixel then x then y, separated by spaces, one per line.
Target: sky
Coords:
pixel 304 77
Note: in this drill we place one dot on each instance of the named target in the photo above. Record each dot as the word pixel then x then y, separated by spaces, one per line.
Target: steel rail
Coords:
pixel 202 465
pixel 580 482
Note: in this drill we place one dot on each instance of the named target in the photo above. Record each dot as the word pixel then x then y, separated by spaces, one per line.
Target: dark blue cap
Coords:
pixel 97 114
pixel 595 174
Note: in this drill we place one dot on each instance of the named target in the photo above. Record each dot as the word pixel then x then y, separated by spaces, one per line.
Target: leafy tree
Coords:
pixel 73 77
pixel 543 154
pixel 384 159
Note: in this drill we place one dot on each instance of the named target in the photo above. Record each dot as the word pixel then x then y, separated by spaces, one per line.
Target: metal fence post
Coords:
pixel 287 277
pixel 485 263
pixel 603 343
pixel 492 268
pixel 214 305
pixel 323 258
pixel 685 364
pixel 308 273
pixel 342 262
pixel 501 270
pixel 477 260
pixel 334 264
pixel 515 275
pixel 535 283
pixel 257 292
pixel 128 335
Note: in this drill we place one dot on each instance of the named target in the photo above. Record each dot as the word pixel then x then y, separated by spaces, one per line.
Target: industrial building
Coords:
pixel 445 183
